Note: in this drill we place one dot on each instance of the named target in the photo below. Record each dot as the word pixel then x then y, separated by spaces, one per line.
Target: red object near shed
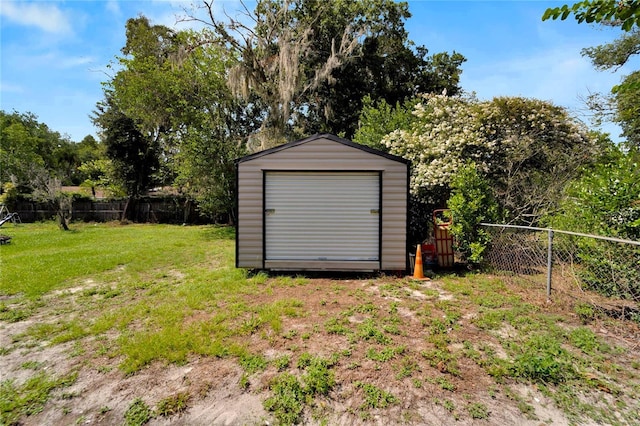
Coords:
pixel 442 221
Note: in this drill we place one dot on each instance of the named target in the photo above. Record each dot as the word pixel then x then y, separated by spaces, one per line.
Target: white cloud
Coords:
pixel 113 6
pixel 46 17
pixel 75 61
pixel 11 88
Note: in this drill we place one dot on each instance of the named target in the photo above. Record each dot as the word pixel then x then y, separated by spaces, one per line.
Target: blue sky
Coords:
pixel 54 54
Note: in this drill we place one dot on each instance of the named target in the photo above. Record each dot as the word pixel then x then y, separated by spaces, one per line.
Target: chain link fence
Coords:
pixel 602 271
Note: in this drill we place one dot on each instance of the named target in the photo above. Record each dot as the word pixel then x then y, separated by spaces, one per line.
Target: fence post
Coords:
pixel 549 263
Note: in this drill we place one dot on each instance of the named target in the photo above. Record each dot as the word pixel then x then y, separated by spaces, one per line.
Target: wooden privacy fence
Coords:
pixel 161 210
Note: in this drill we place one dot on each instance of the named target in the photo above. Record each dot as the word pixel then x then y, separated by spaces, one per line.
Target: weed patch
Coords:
pixel 368 330
pixel 291 395
pixel 478 411
pixel 288 399
pixel 30 397
pixel 138 413
pixel 374 397
pixel 384 354
pixel 543 360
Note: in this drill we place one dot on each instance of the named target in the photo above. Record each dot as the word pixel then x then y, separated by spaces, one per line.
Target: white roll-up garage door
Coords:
pixel 332 216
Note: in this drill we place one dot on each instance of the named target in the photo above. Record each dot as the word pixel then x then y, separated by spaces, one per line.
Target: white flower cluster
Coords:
pixel 450 131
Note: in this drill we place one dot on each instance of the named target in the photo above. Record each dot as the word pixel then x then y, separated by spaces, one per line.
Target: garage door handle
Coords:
pixel 375 211
pixel 269 211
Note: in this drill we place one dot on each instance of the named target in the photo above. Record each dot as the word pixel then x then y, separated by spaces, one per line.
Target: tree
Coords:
pixel 26 142
pixel 378 119
pixel 270 56
pixel 173 86
pixel 527 150
pixel 99 173
pixel 623 104
pixel 311 62
pixel 20 146
pixel 48 189
pixel 626 13
pixel 134 155
pixel 385 65
pixel 627 109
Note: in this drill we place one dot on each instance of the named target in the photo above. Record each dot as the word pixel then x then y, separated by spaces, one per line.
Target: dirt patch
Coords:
pixel 427 390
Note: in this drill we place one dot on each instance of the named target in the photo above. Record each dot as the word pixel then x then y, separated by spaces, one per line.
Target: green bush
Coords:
pixel 606 202
pixel 471 203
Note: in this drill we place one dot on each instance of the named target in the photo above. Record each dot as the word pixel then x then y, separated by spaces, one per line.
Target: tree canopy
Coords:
pixel 311 62
pixel 527 149
pixel 200 99
pixel 29 145
pixel 623 104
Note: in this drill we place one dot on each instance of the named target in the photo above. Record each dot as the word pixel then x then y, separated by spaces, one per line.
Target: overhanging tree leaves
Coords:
pixel 624 12
pixel 623 105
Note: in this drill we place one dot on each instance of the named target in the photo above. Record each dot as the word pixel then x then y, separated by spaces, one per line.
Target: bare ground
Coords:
pixel 102 393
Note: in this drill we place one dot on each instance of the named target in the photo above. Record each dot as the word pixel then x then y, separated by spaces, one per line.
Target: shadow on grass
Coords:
pixel 219 232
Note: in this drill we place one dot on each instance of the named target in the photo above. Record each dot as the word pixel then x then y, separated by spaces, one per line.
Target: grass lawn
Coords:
pixel 134 324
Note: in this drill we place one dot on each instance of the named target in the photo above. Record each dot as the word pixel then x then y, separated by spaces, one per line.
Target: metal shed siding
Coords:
pixel 321 154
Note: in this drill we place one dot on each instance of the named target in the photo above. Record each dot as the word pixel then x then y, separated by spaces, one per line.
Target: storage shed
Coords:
pixel 322 203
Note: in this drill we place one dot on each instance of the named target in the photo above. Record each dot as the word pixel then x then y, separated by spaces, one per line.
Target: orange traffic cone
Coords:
pixel 418 273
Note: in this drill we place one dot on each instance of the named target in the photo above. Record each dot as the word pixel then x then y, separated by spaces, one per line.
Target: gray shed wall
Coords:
pixel 322 154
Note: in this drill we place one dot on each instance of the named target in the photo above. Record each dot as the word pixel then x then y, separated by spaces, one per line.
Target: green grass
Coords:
pixel 41 258
pixel 142 294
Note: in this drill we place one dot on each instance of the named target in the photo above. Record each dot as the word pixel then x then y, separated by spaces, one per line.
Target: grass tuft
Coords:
pixel 173 404
pixel 138 413
pixel 374 397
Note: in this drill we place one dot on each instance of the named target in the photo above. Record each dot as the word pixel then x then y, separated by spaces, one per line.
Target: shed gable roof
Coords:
pixel 327 136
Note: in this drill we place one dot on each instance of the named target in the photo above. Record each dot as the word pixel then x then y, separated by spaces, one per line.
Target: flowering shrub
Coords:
pixel 527 149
